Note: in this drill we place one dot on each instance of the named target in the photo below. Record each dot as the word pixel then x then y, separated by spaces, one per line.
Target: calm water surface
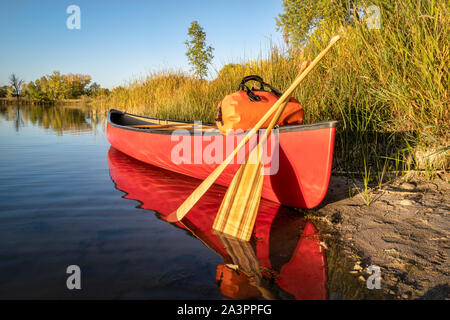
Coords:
pixel 67 198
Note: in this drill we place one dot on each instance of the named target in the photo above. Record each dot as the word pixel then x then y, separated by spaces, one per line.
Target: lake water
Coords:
pixel 68 198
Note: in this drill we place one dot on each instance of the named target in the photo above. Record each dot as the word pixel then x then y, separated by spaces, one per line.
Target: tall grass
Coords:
pixel 387 87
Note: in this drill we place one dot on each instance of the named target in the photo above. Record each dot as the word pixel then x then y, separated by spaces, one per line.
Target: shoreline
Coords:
pixel 24 101
pixel 404 231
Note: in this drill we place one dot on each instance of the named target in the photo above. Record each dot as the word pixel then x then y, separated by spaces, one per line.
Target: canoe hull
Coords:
pixel 304 158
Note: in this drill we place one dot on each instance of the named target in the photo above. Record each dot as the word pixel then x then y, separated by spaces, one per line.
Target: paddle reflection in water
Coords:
pixel 284 260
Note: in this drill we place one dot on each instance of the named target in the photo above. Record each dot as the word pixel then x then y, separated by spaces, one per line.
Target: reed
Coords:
pixel 388 88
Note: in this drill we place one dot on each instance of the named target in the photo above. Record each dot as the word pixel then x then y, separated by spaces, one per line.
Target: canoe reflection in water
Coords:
pixel 284 260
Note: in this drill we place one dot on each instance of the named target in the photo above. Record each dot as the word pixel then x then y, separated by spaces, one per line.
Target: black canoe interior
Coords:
pixel 128 121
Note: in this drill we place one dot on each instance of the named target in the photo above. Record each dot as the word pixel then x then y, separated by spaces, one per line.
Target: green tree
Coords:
pixel 93 90
pixel 75 85
pixel 303 19
pixel 61 86
pixel 56 86
pixel 4 91
pixel 33 91
pixel 198 52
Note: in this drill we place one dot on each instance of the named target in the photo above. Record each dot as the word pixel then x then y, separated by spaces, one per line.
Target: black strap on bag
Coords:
pixel 253 96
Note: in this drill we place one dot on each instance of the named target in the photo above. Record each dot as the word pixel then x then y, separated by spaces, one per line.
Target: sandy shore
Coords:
pixel 405 230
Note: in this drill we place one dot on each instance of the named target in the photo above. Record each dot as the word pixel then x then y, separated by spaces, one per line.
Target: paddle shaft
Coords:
pixel 206 184
pixel 167 123
pixel 149 120
pixel 280 111
pixel 171 126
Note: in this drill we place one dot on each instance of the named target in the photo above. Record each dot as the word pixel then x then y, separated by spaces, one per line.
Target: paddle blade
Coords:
pixel 172 218
pixel 237 214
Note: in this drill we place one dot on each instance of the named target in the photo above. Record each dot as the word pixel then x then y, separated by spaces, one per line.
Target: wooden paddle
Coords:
pixel 152 121
pixel 158 126
pixel 172 126
pixel 237 213
pixel 186 128
pixel 206 184
pixel 167 123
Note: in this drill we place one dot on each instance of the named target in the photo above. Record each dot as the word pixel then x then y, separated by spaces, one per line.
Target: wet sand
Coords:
pixel 405 230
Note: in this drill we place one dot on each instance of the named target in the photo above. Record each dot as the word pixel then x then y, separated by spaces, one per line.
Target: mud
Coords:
pixel 403 227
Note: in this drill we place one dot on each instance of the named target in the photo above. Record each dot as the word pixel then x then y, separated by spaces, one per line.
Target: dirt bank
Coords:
pixel 405 230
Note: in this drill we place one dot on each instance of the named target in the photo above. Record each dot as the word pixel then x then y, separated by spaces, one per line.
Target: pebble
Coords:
pixel 405 296
pixel 406 202
pixel 408 186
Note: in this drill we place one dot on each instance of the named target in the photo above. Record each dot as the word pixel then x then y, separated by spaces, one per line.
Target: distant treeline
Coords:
pixel 56 86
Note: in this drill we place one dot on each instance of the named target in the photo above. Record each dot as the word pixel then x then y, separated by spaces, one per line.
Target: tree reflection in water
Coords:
pixel 60 119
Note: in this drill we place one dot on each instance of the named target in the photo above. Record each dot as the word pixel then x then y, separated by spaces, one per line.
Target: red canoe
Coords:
pixel 286 261
pixel 302 162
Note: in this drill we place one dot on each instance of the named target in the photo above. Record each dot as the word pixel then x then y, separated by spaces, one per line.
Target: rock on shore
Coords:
pixel 405 230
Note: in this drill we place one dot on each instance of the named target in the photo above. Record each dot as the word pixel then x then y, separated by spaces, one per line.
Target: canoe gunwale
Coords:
pixel 213 132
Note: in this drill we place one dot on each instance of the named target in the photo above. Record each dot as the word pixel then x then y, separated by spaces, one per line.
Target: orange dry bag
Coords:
pixel 244 108
pixel 235 284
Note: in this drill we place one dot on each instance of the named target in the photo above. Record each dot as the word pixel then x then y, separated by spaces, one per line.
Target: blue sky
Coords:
pixel 123 40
